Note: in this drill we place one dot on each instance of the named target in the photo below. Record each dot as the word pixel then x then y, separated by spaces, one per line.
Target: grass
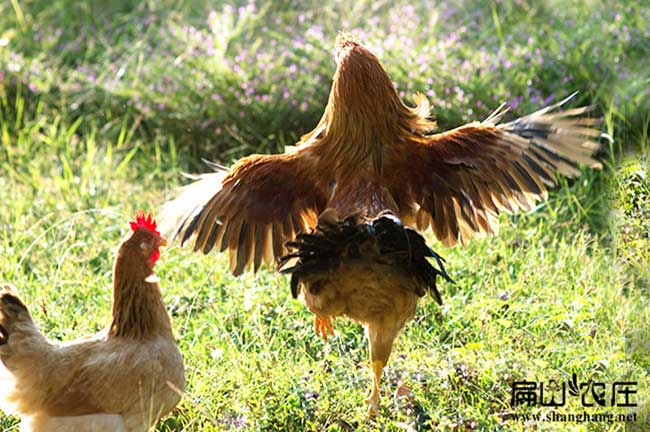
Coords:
pixel 101 107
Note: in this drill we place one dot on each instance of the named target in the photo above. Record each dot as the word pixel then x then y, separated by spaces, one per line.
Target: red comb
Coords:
pixel 141 221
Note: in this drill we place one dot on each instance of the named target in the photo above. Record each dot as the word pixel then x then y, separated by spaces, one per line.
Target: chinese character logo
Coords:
pixel 591 393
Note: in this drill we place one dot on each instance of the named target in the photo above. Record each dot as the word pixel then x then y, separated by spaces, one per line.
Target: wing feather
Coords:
pixel 460 180
pixel 215 236
pixel 259 246
pixel 251 209
pixel 278 241
pixel 267 242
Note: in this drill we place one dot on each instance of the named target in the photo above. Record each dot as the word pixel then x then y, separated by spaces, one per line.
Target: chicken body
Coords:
pixel 367 267
pixel 371 155
pixel 90 383
pixel 122 379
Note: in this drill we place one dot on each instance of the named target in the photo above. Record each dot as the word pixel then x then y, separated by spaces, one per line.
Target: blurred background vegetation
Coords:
pixel 103 103
pixel 229 78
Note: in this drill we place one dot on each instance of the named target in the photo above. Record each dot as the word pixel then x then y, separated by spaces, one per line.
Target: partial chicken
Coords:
pixel 122 379
pixel 348 197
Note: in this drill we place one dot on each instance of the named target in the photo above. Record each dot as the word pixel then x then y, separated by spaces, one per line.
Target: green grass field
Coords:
pixel 103 104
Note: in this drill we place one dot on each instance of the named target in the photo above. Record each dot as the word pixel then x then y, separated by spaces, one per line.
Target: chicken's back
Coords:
pixel 140 380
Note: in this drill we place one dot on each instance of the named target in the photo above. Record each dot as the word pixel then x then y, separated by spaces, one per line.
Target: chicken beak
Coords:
pixel 162 242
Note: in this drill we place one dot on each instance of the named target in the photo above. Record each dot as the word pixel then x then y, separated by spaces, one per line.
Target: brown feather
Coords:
pixel 215 237
pixel 259 246
pixel 244 248
pixel 423 219
pixel 278 241
pixel 224 236
pixel 267 248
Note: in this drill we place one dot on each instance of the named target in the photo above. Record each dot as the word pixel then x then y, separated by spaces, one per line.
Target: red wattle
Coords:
pixel 154 257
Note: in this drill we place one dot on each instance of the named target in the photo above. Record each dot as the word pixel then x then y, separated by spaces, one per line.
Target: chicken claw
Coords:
pixel 323 326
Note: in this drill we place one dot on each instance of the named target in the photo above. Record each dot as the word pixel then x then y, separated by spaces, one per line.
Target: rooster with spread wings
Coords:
pixel 339 210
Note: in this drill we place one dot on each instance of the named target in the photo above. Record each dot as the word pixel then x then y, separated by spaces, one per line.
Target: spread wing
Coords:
pixel 252 209
pixel 462 179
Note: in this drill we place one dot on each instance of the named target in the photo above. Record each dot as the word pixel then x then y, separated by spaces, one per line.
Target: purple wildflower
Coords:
pixel 516 101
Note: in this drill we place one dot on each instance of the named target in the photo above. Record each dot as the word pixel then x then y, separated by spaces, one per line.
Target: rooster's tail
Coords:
pixel 383 240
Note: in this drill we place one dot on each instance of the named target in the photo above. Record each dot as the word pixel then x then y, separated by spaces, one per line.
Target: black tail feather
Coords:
pixel 384 239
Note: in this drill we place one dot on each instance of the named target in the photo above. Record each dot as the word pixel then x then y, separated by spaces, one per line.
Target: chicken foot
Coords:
pixel 323 326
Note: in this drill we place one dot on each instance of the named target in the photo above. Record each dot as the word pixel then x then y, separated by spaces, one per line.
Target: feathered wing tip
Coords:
pixel 497 114
pixel 474 172
pixel 384 240
pixel 249 210
pixel 177 214
pixel 560 139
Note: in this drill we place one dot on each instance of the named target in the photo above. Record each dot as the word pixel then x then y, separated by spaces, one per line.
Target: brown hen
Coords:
pixel 341 196
pixel 122 379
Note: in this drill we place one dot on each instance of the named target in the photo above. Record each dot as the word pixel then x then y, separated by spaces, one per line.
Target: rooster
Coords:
pixel 339 211
pixel 122 379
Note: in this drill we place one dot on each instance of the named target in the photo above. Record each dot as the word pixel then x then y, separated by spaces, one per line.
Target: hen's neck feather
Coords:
pixel 138 308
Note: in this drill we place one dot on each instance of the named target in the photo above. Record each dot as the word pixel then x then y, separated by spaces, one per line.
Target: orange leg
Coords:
pixel 372 400
pixel 381 339
pixel 323 326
